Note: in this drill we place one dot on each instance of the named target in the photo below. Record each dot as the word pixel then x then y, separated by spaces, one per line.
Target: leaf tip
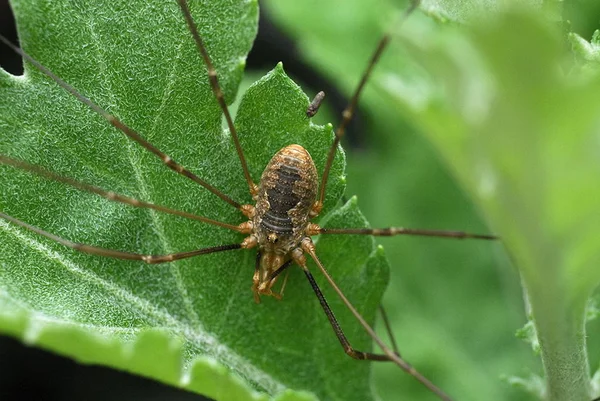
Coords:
pixel 279 68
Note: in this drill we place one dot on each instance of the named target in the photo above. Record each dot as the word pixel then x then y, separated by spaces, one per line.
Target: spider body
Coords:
pixel 285 203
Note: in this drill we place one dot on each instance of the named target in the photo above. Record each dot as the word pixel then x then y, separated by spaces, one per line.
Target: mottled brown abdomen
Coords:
pixel 287 191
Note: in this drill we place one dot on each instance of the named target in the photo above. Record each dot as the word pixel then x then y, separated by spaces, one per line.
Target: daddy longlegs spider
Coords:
pixel 287 197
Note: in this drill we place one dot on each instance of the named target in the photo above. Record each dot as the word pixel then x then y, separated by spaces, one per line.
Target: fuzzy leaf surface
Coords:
pixel 192 323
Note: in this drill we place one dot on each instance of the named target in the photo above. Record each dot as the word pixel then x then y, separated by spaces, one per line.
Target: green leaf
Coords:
pixel 528 334
pixel 521 136
pixel 587 53
pixel 193 323
pixel 533 385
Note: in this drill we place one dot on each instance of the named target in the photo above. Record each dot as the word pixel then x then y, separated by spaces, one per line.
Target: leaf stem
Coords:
pixel 560 326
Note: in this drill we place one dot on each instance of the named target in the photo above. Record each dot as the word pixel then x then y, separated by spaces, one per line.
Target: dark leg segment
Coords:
pixel 216 88
pixel 390 231
pixel 388 329
pixel 348 113
pixel 108 194
pixel 132 134
pixel 279 270
pixel 308 247
pixel 337 328
pixel 110 253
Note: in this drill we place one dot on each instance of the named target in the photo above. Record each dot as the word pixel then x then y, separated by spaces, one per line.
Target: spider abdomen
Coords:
pixel 287 192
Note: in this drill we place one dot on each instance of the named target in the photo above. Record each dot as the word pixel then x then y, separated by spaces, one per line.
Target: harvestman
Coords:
pixel 279 224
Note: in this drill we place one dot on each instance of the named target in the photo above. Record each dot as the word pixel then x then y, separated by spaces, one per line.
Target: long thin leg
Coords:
pixel 110 253
pixel 388 329
pixel 390 231
pixel 348 349
pixel 308 247
pixel 132 134
pixel 216 88
pixel 109 194
pixel 279 270
pixel 348 112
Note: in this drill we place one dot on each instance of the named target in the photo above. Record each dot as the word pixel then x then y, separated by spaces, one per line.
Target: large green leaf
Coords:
pixel 524 143
pixel 192 323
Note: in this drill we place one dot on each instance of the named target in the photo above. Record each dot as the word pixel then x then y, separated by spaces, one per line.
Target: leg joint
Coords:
pixel 352 353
